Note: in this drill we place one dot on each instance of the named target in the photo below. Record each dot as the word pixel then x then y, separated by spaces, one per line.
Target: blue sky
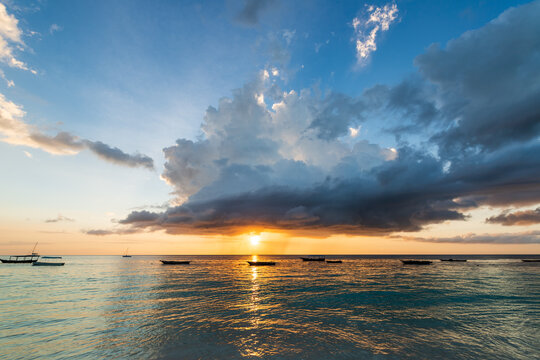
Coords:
pixel 135 76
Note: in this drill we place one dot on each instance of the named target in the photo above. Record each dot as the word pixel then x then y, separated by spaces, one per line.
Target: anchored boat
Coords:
pixel 318 258
pixel 261 263
pixel 45 263
pixel 174 262
pixel 416 262
pixel 455 260
pixel 22 259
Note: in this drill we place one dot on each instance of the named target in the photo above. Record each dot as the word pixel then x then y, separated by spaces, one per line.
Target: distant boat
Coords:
pixel 416 262
pixel 458 260
pixel 126 254
pixel 174 262
pixel 261 263
pixel 334 261
pixel 44 263
pixel 530 260
pixel 22 259
pixel 51 257
pixel 320 258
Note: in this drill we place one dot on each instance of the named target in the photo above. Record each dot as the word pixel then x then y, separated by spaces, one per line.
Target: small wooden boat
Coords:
pixel 455 260
pixel 416 262
pixel 530 260
pixel 261 263
pixel 321 258
pixel 44 263
pixel 22 259
pixel 51 257
pixel 334 261
pixel 174 262
pixel 126 254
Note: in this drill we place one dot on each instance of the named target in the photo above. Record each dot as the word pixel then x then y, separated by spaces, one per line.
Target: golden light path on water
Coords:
pixel 219 307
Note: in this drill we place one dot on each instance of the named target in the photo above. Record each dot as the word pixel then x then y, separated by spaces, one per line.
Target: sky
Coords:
pixel 270 127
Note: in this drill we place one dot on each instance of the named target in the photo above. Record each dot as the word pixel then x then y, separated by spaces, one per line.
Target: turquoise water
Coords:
pixel 221 308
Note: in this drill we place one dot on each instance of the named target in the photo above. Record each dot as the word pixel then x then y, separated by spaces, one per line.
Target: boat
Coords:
pixel 126 254
pixel 416 262
pixel 261 263
pixel 51 257
pixel 174 262
pixel 458 260
pixel 22 259
pixel 530 260
pixel 45 263
pixel 320 258
pixel 334 261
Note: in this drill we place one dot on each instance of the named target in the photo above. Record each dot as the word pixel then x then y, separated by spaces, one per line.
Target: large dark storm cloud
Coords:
pixel 467 128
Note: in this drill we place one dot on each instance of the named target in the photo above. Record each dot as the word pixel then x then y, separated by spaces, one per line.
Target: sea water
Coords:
pixel 219 307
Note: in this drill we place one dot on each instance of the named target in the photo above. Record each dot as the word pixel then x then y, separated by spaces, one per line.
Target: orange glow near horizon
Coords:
pixel 66 239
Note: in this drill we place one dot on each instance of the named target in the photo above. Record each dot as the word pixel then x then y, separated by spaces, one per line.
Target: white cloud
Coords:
pixel 55 28
pixel 366 29
pixel 354 131
pixel 10 39
pixel 262 136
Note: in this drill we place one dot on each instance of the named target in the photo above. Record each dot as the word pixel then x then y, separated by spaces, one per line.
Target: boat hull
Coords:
pixel 312 259
pixel 7 261
pixel 174 262
pixel 334 261
pixel 530 260
pixel 261 263
pixel 416 262
pixel 454 260
pixel 41 263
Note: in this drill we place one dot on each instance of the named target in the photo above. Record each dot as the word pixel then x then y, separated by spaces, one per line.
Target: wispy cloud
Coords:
pixel 59 218
pixel 368 27
pixel 17 132
pixel 55 28
pixel 526 217
pixel 529 237
pixel 10 40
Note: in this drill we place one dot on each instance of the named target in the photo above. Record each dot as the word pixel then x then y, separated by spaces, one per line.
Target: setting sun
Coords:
pixel 255 239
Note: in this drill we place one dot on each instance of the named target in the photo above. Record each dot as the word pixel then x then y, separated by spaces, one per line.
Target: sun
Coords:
pixel 255 239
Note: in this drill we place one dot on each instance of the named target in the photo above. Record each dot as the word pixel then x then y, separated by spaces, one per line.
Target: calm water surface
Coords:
pixel 220 308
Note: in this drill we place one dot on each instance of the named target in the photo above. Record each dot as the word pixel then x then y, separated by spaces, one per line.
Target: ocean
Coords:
pixel 219 307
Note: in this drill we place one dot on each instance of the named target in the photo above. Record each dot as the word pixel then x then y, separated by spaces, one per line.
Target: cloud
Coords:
pixel 486 83
pixel 55 28
pixel 250 13
pixel 526 217
pixel 529 237
pixel 285 160
pixel 366 29
pixel 16 132
pixel 10 39
pixel 117 156
pixel 59 218
pixel 101 232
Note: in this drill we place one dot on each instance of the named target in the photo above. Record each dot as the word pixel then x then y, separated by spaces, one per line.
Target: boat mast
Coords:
pixel 34 249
